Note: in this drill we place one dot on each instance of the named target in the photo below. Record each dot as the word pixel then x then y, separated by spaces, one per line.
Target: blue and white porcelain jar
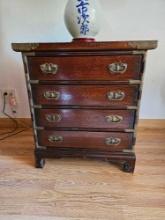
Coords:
pixel 82 18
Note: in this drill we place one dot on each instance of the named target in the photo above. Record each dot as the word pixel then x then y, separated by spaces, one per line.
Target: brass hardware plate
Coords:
pixel 129 130
pixel 116 95
pixel 118 68
pixel 132 107
pixel 128 151
pixel 114 118
pixel 25 46
pixel 53 117
pixel 38 128
pixel 34 81
pixel 111 141
pixel 52 95
pixel 55 139
pixel 132 81
pixel 49 68
pixel 30 54
pixel 138 52
pixel 37 106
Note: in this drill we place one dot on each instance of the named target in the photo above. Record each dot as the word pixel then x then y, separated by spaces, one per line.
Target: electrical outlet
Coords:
pixel 8 92
pixel 11 100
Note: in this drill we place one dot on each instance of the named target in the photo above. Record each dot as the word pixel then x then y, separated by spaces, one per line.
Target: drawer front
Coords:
pixel 97 140
pixel 111 68
pixel 117 96
pixel 78 118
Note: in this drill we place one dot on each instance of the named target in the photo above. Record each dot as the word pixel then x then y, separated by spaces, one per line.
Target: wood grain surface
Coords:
pixel 79 118
pixel 86 68
pixel 73 189
pixel 86 140
pixel 86 95
pixel 83 46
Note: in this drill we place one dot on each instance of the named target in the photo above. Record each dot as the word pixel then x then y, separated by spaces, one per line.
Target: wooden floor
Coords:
pixel 82 189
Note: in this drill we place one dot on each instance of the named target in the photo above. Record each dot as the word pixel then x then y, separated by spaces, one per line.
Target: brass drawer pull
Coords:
pixel 119 67
pixel 55 139
pixel 49 68
pixel 114 118
pixel 53 117
pixel 52 95
pixel 112 141
pixel 118 95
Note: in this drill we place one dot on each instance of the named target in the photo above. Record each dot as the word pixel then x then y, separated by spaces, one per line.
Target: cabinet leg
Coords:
pixel 39 162
pixel 128 166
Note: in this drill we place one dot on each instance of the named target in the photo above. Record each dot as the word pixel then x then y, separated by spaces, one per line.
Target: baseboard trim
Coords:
pixel 26 122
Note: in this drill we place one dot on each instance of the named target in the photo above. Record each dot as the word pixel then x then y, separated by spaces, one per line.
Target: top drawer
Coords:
pixel 113 68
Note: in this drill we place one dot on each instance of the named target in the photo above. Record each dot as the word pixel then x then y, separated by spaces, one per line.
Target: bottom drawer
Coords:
pixel 110 141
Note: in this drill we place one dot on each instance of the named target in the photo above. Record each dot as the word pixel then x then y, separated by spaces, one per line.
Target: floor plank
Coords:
pixel 82 189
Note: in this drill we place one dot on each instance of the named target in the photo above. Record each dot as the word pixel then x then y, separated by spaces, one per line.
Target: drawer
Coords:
pixel 116 96
pixel 80 139
pixel 88 119
pixel 120 68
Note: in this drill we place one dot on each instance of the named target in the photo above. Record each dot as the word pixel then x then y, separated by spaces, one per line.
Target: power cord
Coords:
pixel 12 132
pixel 10 135
pixel 8 116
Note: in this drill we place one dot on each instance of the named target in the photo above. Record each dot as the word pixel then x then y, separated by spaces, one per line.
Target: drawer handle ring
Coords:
pixel 112 141
pixel 49 68
pixel 53 118
pixel 55 139
pixel 116 68
pixel 52 95
pixel 118 95
pixel 114 118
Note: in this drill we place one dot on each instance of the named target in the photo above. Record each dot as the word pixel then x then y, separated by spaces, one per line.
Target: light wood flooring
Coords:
pixel 82 189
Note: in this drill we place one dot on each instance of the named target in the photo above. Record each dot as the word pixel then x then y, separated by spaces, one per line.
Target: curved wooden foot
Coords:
pixel 126 162
pixel 128 166
pixel 39 162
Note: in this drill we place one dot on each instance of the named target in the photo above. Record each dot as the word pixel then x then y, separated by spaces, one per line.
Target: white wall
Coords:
pixel 42 20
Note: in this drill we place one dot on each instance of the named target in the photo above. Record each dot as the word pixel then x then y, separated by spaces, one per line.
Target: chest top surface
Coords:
pixel 86 46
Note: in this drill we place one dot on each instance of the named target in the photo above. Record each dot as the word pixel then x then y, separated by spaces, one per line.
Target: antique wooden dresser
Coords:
pixel 84 98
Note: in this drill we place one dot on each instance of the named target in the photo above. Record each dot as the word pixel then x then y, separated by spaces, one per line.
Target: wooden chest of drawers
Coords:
pixel 84 98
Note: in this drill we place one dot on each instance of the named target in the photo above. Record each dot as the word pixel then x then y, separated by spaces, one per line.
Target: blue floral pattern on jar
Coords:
pixel 83 18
